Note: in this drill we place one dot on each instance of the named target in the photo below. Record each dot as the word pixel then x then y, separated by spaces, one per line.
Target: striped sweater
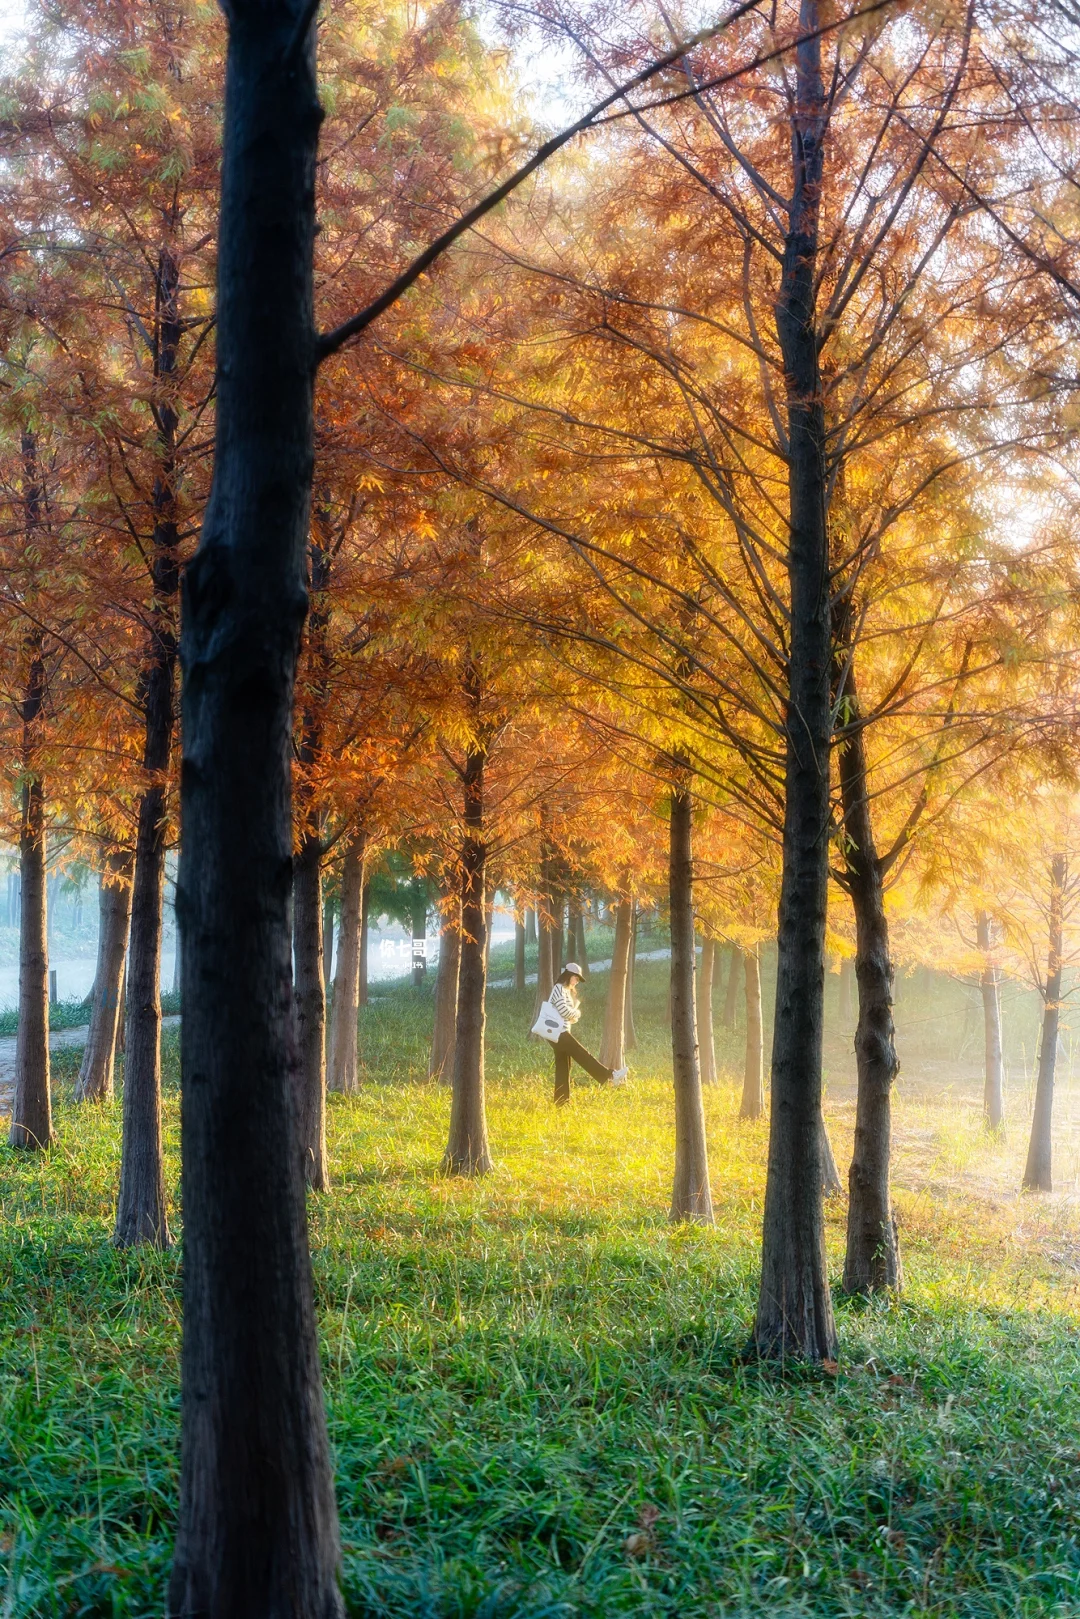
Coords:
pixel 565 1002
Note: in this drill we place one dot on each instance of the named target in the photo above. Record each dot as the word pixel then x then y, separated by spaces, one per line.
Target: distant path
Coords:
pixel 57 1041
pixel 594 967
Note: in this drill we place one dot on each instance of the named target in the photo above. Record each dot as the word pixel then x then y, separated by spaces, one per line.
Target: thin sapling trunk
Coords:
pixel 691 1197
pixel 1037 1176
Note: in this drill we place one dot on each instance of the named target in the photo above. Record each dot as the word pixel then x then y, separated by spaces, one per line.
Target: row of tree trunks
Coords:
pixel 342 1075
pixel 95 1081
pixel 444 1033
pixel 691 1197
pixel 141 1213
pixel 1037 1168
pixel 613 1039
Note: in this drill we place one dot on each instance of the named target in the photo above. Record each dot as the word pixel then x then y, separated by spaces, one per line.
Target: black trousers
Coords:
pixel 568 1050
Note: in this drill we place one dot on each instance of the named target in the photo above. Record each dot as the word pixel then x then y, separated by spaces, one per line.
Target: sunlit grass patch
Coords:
pixel 537 1396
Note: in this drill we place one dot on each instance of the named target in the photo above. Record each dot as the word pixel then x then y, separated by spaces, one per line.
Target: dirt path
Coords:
pixel 59 1039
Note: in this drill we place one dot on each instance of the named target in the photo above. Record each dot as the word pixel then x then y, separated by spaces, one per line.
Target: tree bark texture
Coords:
pixel 872 1261
pixel 994 1072
pixel 140 1210
pixel 706 1049
pixel 257 1533
pixel 794 1316
pixel 31 1106
pixel 95 1081
pixel 310 1010
pixel 1037 1175
pixel 746 964
pixel 342 1074
pixel 444 1033
pixel 613 1041
pixel 691 1197
pixel 467 1150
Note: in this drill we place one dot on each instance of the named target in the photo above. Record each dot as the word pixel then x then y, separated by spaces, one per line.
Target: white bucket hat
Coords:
pixel 572 967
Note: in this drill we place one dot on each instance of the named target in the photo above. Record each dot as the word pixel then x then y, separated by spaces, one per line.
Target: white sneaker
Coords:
pixel 620 1076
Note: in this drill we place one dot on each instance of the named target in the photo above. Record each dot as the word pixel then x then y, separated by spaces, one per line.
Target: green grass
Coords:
pixel 536 1396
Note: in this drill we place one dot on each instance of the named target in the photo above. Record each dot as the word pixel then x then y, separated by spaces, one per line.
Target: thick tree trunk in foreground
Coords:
pixel 31 1107
pixel 794 1316
pixel 444 1033
pixel 752 1105
pixel 731 997
pixel 519 955
pixel 342 1072
pixel 140 1209
pixel 994 1073
pixel 691 1198
pixel 257 1534
pixel 310 1009
pixel 706 1049
pixel 612 1041
pixel 872 1261
pixel 467 1147
pixel 1037 1176
pixel 95 1081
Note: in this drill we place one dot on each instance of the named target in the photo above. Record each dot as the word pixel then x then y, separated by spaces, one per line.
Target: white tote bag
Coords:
pixel 550 1023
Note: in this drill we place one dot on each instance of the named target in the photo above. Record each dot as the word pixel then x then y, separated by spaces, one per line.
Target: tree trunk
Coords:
pixel 706 1049
pixel 731 998
pixel 257 1536
pixel 846 1007
pixel 753 1091
pixel 576 946
pixel 994 1077
pixel 691 1197
pixel 140 1209
pixel 419 932
pixel 310 1009
pixel 519 955
pixel 31 1108
pixel 342 1074
pixel 444 1034
pixel 872 1261
pixel 547 948
pixel 629 1031
pixel 613 1042
pixel 831 1184
pixel 362 986
pixel 467 1146
pixel 95 1081
pixel 328 943
pixel 1037 1176
pixel 795 1316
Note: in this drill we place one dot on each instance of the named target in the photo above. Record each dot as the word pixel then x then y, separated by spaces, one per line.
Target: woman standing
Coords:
pixel 559 1012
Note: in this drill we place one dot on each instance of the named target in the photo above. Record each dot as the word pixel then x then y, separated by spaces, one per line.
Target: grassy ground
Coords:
pixel 535 1392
